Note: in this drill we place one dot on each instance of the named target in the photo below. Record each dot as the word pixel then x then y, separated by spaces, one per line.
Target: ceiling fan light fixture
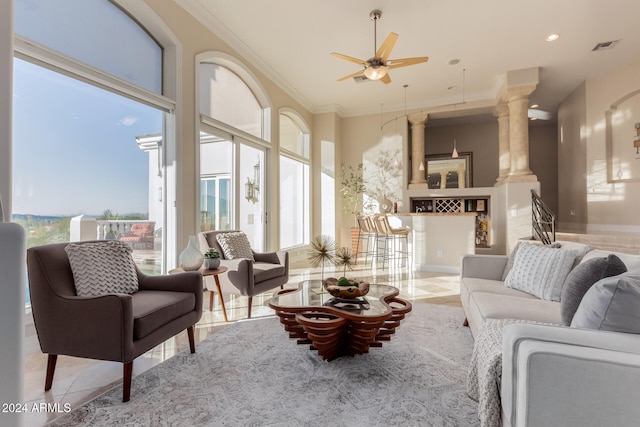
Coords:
pixel 375 72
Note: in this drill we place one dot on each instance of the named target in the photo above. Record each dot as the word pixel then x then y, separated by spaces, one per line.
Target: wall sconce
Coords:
pixel 636 139
pixel 252 187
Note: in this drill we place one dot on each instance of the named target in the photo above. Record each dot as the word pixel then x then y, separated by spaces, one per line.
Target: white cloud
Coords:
pixel 128 121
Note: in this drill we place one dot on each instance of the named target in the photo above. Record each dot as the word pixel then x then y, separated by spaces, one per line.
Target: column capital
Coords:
pixel 520 92
pixel 501 109
pixel 417 119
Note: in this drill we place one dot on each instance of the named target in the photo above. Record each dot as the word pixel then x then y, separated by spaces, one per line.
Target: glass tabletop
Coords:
pixel 311 294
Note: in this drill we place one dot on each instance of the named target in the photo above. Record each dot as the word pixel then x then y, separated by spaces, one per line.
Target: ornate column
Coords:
pixel 418 122
pixel 501 112
pixel 518 102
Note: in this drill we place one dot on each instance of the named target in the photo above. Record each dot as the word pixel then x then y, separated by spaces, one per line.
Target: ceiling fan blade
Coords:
pixel 397 63
pixel 348 58
pixel 385 48
pixel 357 73
pixel 386 79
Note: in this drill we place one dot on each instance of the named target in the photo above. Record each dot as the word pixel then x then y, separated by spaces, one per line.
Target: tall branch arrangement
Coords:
pixel 353 187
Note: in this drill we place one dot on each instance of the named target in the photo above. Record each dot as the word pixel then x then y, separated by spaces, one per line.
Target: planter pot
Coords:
pixel 211 263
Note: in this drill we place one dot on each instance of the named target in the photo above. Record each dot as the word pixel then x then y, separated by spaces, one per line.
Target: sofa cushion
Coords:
pixel 495 306
pixel 612 304
pixel 540 270
pixel 264 271
pixel 235 245
pixel 101 268
pixel 581 278
pixel 153 309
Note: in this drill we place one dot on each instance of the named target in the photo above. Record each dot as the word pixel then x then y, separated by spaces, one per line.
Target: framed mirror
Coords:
pixel 443 171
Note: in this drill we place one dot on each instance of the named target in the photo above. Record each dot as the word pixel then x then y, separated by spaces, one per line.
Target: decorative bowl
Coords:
pixel 356 288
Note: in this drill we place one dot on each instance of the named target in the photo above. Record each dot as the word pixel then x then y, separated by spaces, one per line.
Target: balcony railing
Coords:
pixel 112 228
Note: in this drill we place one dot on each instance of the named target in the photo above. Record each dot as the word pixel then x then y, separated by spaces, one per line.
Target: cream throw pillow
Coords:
pixel 540 271
pixel 235 245
pixel 101 268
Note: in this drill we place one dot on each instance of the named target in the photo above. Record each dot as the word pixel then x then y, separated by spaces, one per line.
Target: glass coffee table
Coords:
pixel 336 327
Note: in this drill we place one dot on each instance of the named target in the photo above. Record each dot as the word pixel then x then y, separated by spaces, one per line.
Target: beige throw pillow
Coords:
pixel 235 245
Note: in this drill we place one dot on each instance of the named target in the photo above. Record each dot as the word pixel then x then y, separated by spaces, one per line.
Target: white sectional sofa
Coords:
pixel 555 374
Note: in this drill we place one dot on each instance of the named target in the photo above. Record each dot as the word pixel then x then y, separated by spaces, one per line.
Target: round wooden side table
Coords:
pixel 214 272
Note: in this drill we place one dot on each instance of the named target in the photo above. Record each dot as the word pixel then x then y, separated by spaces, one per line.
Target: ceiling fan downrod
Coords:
pixel 374 15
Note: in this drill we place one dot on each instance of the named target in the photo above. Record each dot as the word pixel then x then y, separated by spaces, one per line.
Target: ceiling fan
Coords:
pixel 377 68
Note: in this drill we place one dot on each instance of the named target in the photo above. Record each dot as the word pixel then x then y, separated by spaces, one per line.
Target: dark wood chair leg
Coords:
pixel 249 308
pixel 126 381
pixel 51 368
pixel 466 322
pixel 192 342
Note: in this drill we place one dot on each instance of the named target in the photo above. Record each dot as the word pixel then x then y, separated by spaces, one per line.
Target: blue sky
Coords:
pixel 74 148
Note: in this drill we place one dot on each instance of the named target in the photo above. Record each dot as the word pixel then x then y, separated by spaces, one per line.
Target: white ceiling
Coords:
pixel 290 41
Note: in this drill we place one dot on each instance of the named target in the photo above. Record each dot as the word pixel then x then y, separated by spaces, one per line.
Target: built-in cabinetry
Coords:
pixel 468 204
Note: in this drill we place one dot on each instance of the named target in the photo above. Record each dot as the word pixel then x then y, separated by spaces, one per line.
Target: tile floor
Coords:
pixel 79 380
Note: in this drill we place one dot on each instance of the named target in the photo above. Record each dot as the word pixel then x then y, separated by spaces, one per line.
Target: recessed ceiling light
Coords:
pixel 451 87
pixel 533 118
pixel 454 62
pixel 552 37
pixel 534 106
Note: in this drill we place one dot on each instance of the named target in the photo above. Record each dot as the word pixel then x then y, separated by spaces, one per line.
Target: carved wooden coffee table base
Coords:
pixel 336 332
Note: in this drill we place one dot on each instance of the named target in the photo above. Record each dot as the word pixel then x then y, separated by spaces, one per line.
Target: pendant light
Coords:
pixel 454 154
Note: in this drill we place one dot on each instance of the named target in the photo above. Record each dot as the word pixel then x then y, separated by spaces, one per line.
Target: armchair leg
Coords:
pixel 466 322
pixel 249 308
pixel 126 381
pixel 51 368
pixel 192 342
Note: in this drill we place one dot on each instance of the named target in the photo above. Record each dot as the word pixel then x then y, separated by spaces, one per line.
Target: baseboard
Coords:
pixel 438 268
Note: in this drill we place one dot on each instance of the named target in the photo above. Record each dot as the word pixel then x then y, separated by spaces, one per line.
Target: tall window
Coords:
pixel 294 182
pixel 233 144
pixel 85 143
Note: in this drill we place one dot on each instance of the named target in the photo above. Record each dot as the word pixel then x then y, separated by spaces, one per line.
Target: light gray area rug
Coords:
pixel 252 374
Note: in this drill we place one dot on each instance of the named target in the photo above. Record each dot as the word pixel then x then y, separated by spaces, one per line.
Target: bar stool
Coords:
pixel 366 238
pixel 391 238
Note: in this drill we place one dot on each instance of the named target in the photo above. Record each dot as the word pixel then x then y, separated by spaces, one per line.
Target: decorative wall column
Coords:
pixel 518 102
pixel 418 123
pixel 501 112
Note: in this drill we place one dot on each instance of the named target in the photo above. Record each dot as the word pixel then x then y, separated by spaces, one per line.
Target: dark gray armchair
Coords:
pixel 116 327
pixel 244 277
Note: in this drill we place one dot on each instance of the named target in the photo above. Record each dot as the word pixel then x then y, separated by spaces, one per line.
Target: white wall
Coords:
pixel 599 206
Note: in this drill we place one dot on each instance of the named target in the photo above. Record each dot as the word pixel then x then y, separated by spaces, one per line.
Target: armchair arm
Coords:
pixel 278 257
pixel 488 267
pixel 568 376
pixel 188 281
pixel 93 327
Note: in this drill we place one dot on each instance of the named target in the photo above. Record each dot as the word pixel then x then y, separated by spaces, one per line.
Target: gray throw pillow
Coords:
pixel 612 304
pixel 581 278
pixel 101 268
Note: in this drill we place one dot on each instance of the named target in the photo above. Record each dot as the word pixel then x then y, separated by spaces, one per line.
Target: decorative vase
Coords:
pixel 211 263
pixel 190 258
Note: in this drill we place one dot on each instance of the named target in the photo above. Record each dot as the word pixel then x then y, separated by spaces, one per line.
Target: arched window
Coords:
pixel 88 126
pixel 234 144
pixel 294 180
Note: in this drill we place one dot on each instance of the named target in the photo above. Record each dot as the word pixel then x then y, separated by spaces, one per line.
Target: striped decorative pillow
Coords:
pixel 235 245
pixel 101 268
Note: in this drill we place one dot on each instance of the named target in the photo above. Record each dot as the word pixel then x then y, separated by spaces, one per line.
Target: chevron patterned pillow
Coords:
pixel 235 245
pixel 101 268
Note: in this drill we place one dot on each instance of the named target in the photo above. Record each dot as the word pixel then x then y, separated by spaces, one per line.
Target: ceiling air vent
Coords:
pixel 605 45
pixel 361 79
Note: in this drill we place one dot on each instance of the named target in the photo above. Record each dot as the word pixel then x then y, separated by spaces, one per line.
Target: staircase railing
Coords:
pixel 543 220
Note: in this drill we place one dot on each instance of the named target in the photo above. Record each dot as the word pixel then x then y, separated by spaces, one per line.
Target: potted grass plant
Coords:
pixel 211 259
